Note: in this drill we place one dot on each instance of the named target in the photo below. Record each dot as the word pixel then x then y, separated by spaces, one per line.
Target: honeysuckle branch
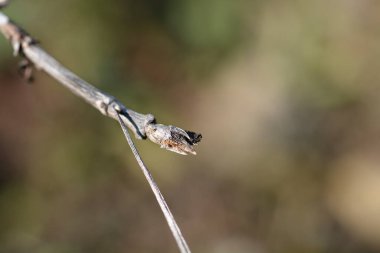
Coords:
pixel 143 125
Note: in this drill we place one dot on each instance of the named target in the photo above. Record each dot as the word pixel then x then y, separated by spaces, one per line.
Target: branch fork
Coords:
pixel 144 126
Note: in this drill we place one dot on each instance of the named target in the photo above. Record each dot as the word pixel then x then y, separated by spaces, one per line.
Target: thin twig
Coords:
pixel 143 125
pixel 181 242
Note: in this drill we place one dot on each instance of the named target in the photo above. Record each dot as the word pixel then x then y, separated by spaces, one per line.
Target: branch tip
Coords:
pixel 173 138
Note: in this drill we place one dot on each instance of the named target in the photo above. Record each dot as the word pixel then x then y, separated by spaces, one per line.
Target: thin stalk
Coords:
pixel 181 242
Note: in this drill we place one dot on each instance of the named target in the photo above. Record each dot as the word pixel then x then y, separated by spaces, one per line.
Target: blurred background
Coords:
pixel 285 93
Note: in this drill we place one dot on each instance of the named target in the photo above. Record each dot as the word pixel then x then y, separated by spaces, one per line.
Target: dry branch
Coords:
pixel 143 125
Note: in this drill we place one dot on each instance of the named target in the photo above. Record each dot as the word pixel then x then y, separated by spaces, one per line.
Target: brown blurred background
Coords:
pixel 285 93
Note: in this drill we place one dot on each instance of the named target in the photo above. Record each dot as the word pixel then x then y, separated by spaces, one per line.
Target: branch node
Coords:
pixel 117 107
pixel 103 107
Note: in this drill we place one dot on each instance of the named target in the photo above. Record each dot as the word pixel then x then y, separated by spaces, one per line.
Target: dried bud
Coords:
pixel 173 138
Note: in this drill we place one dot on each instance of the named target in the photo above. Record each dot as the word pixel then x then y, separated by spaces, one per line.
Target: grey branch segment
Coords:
pixel 181 242
pixel 143 125
pixel 81 88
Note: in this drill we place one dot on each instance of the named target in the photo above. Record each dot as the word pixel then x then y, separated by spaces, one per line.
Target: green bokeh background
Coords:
pixel 285 93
